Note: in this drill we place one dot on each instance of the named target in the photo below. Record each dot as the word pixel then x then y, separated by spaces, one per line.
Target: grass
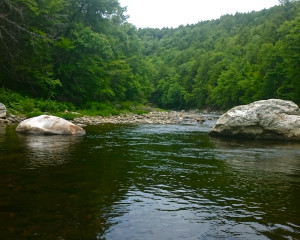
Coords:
pixel 18 104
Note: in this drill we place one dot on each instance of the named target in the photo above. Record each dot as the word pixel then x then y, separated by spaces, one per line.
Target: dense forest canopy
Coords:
pixel 85 51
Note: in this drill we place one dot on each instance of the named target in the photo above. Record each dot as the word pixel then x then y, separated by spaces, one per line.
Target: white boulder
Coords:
pixel 265 119
pixel 2 110
pixel 49 125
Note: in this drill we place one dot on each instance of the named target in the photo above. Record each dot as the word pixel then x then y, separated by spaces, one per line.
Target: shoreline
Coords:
pixel 154 117
pixel 11 119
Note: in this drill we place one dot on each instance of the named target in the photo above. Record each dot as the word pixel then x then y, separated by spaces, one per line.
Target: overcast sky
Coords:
pixel 172 13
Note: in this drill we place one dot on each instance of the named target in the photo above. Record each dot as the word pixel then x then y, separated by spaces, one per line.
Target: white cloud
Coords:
pixel 172 13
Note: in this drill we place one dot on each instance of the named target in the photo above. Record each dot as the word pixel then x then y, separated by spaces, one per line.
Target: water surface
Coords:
pixel 147 182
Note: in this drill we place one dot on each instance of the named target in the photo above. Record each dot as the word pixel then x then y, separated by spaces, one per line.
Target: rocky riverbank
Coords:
pixel 11 119
pixel 8 118
pixel 149 118
pixel 155 117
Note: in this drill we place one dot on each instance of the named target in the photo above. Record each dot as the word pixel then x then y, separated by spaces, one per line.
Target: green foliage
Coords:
pixel 99 109
pixel 77 51
pixel 134 107
pixel 17 103
pixel 11 100
pixel 67 115
pixel 51 106
pixel 226 62
pixel 32 107
pixel 28 105
pixel 34 113
pixel 85 53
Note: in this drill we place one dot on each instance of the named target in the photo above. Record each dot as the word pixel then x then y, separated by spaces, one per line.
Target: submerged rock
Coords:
pixel 265 119
pixel 46 124
pixel 2 110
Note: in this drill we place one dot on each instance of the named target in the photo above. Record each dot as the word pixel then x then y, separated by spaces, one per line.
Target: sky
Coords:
pixel 172 13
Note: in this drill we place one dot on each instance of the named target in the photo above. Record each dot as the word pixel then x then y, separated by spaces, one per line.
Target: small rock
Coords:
pixel 150 118
pixel 7 121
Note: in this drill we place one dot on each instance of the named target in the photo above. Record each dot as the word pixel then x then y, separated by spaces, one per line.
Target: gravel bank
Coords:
pixel 11 119
pixel 155 117
pixel 149 118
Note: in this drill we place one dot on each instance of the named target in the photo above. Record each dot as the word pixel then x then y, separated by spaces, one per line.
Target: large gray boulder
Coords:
pixel 265 119
pixel 2 110
pixel 49 125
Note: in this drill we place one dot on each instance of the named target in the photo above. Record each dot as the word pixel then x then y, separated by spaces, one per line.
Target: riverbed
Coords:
pixel 147 181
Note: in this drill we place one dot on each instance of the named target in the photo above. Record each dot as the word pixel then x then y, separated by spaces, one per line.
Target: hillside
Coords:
pixel 67 51
pixel 230 61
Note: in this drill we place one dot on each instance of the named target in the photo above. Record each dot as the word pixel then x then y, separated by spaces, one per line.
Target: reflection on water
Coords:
pixel 2 129
pixel 271 156
pixel 148 182
pixel 205 188
pixel 47 150
pixel 2 132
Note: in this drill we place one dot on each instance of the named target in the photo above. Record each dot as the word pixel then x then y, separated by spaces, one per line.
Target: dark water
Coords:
pixel 147 182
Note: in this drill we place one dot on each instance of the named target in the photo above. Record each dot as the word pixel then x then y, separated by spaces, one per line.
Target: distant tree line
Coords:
pixel 85 51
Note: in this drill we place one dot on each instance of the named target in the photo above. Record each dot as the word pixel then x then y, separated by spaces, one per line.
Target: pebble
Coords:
pixel 156 117
pixel 11 119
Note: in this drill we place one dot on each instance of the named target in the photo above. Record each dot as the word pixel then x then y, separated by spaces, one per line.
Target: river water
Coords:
pixel 147 182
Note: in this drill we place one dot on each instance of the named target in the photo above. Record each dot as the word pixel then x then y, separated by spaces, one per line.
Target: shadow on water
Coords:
pixel 147 182
pixel 57 187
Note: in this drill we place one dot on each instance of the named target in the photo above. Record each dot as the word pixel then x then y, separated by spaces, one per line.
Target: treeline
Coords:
pixel 71 50
pixel 85 52
pixel 226 62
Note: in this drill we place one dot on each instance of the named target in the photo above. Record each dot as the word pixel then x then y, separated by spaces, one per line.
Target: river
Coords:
pixel 147 182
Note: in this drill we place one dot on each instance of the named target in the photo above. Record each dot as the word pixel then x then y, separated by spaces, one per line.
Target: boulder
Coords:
pixel 265 119
pixel 2 110
pixel 49 125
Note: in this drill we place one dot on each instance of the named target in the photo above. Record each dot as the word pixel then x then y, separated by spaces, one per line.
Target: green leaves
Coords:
pixel 31 4
pixel 90 42
pixel 84 51
pixel 76 50
pixel 226 62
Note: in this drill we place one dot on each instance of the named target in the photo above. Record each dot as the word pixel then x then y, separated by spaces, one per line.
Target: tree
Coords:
pixel 289 47
pixel 25 64
pixel 81 65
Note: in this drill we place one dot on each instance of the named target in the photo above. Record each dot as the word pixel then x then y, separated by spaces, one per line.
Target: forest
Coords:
pixel 84 53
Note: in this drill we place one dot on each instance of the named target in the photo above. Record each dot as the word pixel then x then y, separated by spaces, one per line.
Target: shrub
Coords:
pixel 31 106
pixel 27 105
pixel 67 116
pixel 99 108
pixel 34 113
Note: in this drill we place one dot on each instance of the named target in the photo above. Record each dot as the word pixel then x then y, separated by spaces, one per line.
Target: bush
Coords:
pixel 27 105
pixel 54 106
pixel 31 106
pixel 47 106
pixel 135 107
pixel 33 113
pixel 67 116
pixel 10 99
pixel 99 108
